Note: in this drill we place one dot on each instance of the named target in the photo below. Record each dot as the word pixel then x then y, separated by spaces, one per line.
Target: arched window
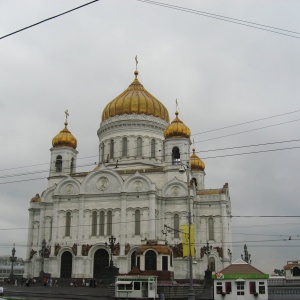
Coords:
pixel 176 226
pixel 296 271
pixel 124 147
pixel 150 261
pixel 58 163
pixel 153 148
pixel 68 224
pixel 194 181
pixel 109 223
pixel 72 167
pixel 102 151
pixel 175 156
pixel 111 149
pixel 133 257
pixel 101 223
pixel 211 229
pixel 212 264
pixel 137 222
pixel 94 223
pixel 139 146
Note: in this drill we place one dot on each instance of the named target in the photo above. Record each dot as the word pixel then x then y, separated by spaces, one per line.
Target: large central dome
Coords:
pixel 135 100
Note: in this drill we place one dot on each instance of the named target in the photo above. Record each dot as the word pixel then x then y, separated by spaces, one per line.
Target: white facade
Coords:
pixel 134 191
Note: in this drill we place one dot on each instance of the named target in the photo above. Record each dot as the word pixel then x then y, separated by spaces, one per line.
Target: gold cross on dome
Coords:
pixel 67 114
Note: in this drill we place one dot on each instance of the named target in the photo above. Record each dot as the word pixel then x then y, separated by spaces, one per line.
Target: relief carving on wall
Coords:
pixel 175 191
pixel 74 249
pixel 177 250
pixel 102 183
pixel 85 249
pixel 138 185
pixel 127 248
pixel 57 248
pixel 32 252
pixel 69 189
pixel 116 251
pixel 220 251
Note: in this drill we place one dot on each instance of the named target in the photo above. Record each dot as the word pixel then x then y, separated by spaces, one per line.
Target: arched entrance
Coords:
pixel 66 265
pixel 296 271
pixel 101 262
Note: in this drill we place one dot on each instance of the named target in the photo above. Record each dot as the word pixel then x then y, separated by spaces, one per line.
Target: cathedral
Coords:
pixel 84 221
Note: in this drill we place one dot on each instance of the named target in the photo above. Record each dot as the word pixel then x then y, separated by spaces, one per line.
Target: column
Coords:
pixel 123 224
pixel 152 223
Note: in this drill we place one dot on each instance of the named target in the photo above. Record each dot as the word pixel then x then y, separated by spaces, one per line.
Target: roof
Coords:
pixel 240 270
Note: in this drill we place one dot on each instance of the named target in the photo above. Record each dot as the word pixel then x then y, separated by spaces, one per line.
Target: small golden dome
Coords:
pixel 36 198
pixel 64 139
pixel 196 163
pixel 135 100
pixel 177 129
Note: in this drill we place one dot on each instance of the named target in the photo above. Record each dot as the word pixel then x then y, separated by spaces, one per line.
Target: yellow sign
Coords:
pixel 185 239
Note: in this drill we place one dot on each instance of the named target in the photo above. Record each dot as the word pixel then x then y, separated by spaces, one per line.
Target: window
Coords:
pixel 240 288
pixel 228 288
pixel 68 224
pixel 175 156
pixel 124 147
pixel 102 152
pixel 262 288
pixel 211 229
pixel 252 287
pixel 165 263
pixel 138 262
pixel 109 223
pixel 72 167
pixel 139 148
pixel 101 223
pixel 58 163
pixel 133 260
pixel 176 226
pixel 153 148
pixel 219 288
pixel 137 222
pixel 150 261
pixel 136 285
pixel 111 149
pixel 94 223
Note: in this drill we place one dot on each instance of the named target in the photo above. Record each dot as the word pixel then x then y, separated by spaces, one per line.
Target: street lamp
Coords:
pixel 12 258
pixel 186 169
pixel 246 257
pixel 111 245
pixel 42 254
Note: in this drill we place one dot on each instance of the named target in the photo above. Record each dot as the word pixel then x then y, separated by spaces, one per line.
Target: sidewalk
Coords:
pixel 41 292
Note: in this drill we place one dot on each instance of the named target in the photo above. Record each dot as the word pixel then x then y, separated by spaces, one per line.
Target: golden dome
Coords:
pixel 64 139
pixel 177 129
pixel 36 198
pixel 196 163
pixel 135 100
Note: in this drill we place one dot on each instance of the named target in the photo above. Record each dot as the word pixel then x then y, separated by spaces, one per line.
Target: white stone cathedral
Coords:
pixel 133 192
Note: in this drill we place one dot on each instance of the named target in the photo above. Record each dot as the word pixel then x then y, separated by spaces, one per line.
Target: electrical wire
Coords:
pixel 226 19
pixel 48 19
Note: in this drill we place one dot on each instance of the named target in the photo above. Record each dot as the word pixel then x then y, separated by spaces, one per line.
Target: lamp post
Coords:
pixel 246 257
pixel 111 245
pixel 186 169
pixel 42 254
pixel 12 258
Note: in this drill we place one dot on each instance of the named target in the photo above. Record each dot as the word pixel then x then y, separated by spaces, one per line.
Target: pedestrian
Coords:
pixel 34 281
pixel 55 282
pixel 45 282
pixel 16 282
pixel 50 282
pixel 83 282
pixel 1 290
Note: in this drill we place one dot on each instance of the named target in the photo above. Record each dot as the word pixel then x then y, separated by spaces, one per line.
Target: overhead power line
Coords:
pixel 226 19
pixel 48 19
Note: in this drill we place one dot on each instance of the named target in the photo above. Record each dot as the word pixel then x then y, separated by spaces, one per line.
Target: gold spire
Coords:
pixel 196 163
pixel 177 129
pixel 65 138
pixel 135 100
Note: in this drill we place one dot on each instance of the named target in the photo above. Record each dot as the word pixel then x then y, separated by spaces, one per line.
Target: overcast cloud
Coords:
pixel 221 73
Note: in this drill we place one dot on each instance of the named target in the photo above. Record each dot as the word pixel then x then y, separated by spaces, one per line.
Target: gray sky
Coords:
pixel 221 73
